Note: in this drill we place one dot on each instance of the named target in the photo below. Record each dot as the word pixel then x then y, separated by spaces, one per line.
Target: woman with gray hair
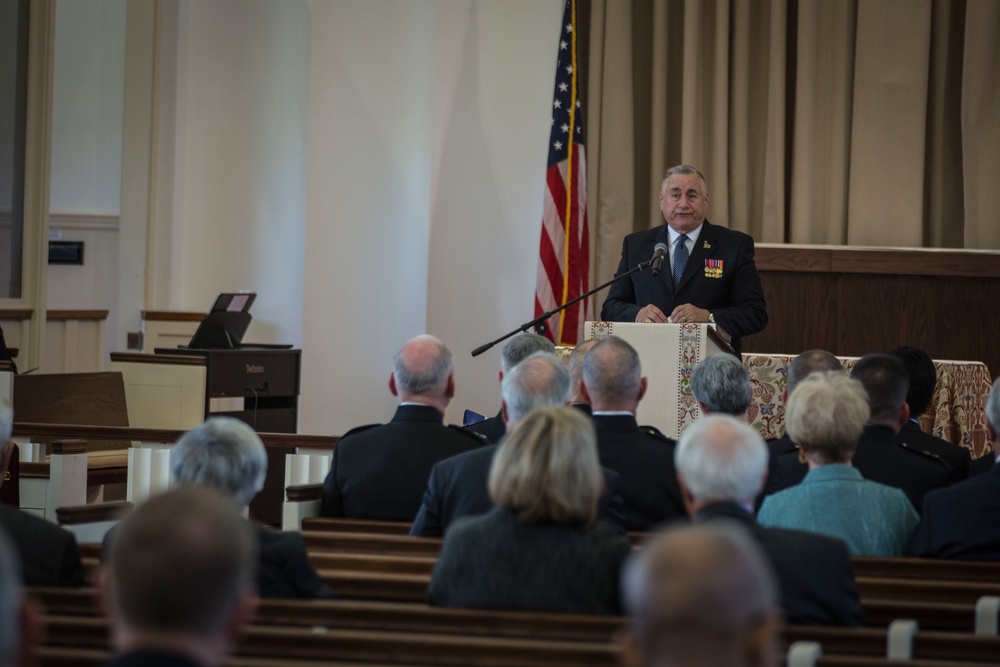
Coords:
pixel 824 418
pixel 227 455
pixel 540 548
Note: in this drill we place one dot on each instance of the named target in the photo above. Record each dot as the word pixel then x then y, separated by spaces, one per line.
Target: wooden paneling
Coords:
pixel 855 301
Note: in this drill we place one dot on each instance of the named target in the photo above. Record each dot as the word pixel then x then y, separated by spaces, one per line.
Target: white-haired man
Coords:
pixel 721 466
pixel 381 471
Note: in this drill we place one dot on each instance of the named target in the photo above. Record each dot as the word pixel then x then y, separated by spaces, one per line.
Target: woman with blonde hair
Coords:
pixel 540 548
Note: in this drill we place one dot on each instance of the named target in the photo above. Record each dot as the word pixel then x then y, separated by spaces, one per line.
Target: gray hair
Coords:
pixel 6 422
pixel 697 583
pixel 685 170
pixel 521 347
pixel 886 383
pixel 611 371
pixel 427 375
pixel 540 380
pixel 722 384
pixel 181 562
pixel 993 406
pixel 11 592
pixel 811 361
pixel 722 459
pixel 826 415
pixel 223 453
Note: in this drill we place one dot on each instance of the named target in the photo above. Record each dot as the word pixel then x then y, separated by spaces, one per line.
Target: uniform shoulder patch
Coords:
pixel 932 456
pixel 464 430
pixel 655 432
pixel 360 429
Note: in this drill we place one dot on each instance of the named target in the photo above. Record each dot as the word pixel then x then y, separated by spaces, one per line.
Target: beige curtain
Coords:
pixel 846 122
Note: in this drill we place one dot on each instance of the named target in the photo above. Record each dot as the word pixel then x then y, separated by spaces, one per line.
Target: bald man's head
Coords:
pixel 702 595
pixel 422 372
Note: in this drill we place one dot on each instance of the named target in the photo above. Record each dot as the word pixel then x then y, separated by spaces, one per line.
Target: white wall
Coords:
pixel 427 130
pixel 85 191
pixel 236 213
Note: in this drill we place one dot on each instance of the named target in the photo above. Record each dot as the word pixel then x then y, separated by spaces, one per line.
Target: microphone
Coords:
pixel 661 252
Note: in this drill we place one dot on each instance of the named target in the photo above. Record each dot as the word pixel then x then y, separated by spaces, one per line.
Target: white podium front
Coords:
pixel 668 353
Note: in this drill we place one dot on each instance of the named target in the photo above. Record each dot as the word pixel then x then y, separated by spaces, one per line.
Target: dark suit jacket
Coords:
pixel 285 570
pixel 778 448
pixel 49 555
pixel 736 299
pixel 962 521
pixel 381 472
pixel 814 571
pixel 644 459
pixel 493 429
pixel 458 487
pixel 983 464
pixel 882 459
pixel 956 459
pixel 497 561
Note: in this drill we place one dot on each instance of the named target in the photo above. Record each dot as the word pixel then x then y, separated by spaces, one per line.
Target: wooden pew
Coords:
pixel 925 590
pixel 925 568
pixel 362 543
pixel 927 645
pixel 397 617
pixel 406 648
pixel 335 525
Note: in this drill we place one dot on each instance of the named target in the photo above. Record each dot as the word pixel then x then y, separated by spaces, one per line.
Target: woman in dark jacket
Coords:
pixel 540 549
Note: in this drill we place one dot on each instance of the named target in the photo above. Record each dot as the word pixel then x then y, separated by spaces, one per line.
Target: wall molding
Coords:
pixel 79 221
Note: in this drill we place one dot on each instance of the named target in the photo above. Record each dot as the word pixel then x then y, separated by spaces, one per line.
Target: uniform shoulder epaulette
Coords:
pixel 464 430
pixel 655 432
pixel 360 429
pixel 926 454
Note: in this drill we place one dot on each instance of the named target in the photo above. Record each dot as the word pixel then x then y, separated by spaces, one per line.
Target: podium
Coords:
pixel 668 354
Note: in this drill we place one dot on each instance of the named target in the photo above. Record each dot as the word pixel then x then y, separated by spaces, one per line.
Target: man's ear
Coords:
pixel 762 642
pixel 500 377
pixel 904 416
pixel 241 615
pixel 631 655
pixel 689 500
pixel 784 395
pixel 584 394
pixel 703 408
pixel 392 384
pixel 32 633
pixel 503 410
pixel 643 386
pixel 449 389
pixel 991 433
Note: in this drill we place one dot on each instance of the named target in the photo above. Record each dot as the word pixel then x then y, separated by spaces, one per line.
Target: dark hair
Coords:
pixel 923 377
pixel 886 383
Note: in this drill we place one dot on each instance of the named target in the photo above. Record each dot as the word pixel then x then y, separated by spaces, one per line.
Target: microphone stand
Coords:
pixel 539 322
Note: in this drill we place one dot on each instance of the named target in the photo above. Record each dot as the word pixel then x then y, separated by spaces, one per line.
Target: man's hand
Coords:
pixel 651 313
pixel 688 314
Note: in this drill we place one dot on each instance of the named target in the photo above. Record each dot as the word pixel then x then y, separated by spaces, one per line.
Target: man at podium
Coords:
pixel 708 272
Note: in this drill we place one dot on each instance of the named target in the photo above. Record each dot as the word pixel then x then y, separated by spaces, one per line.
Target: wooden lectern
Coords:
pixel 668 353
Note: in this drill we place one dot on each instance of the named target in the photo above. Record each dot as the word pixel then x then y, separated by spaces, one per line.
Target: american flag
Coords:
pixel 564 252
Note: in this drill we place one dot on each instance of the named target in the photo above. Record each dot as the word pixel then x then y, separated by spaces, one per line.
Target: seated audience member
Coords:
pixel 49 554
pixel 227 455
pixel 458 486
pixel 178 582
pixel 541 548
pixel 380 472
pixel 825 417
pixel 879 457
pixel 721 384
pixel 963 521
pixel 923 379
pixel 642 456
pixel 789 467
pixel 575 362
pixel 516 350
pixel 721 463
pixel 19 625
pixel 701 596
